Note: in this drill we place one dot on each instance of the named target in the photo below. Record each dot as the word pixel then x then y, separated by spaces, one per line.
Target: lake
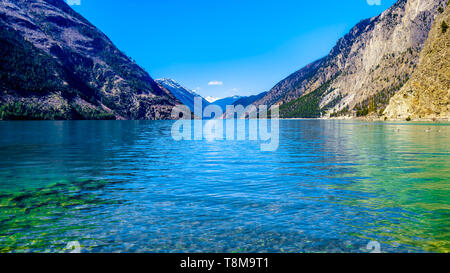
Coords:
pixel 127 186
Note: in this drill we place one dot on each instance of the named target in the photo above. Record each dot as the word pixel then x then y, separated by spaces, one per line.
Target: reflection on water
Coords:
pixel 126 186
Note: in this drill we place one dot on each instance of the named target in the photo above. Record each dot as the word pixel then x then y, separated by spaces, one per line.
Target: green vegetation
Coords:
pixel 362 110
pixel 444 27
pixel 26 69
pixel 28 72
pixel 378 102
pixel 307 106
pixel 23 111
pixel 341 113
pixel 30 111
pixel 89 113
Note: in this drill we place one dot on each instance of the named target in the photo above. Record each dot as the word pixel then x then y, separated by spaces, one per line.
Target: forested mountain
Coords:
pixel 54 64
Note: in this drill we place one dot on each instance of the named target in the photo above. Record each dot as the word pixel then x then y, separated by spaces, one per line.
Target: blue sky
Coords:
pixel 226 47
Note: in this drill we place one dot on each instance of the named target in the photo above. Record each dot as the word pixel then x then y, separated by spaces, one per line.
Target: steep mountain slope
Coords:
pixel 365 68
pixel 55 65
pixel 297 83
pixel 184 95
pixel 427 94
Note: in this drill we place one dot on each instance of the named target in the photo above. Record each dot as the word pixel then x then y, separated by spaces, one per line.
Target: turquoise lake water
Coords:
pixel 127 186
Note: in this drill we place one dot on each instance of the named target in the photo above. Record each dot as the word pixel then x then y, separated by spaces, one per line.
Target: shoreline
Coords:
pixel 437 121
pixel 374 119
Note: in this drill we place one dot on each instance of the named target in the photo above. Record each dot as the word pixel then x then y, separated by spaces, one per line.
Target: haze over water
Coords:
pixel 332 186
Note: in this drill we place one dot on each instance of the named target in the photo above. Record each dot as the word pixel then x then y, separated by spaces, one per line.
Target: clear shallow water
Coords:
pixel 126 186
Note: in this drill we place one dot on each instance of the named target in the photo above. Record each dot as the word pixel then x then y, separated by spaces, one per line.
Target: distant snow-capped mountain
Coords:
pixel 187 96
pixel 211 99
pixel 235 100
pixel 183 94
pixel 222 103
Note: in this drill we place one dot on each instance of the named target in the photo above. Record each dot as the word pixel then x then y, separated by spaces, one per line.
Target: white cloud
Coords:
pixel 374 2
pixel 74 2
pixel 215 83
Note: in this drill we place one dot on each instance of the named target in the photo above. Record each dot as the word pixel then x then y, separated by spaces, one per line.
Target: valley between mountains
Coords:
pixel 56 65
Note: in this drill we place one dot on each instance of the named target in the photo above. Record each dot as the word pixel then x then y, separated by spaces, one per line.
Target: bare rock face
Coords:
pixel 85 75
pixel 427 94
pixel 365 68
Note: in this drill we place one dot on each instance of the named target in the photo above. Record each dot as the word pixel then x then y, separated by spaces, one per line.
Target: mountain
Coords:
pixel 223 103
pixel 211 99
pixel 365 68
pixel 427 94
pixel 294 83
pixel 246 101
pixel 54 64
pixel 184 95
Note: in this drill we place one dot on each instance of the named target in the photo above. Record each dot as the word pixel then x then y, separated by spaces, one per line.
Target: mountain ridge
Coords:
pixel 94 79
pixel 184 95
pixel 366 67
pixel 223 103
